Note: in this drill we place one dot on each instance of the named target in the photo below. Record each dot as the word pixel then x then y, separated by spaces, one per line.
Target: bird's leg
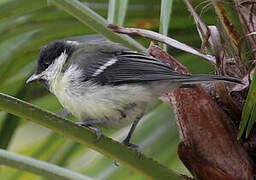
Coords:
pixel 126 141
pixel 89 124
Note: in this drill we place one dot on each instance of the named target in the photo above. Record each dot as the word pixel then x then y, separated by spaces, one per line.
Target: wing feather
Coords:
pixel 131 67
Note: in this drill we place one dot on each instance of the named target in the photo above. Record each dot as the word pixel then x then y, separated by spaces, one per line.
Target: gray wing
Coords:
pixel 130 67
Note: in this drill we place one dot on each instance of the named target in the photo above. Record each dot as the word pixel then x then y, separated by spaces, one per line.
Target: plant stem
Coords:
pixel 127 156
pixel 39 167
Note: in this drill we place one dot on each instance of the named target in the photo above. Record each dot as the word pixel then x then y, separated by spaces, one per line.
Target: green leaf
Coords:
pixel 86 137
pixel 111 11
pixel 249 111
pixel 166 11
pixel 96 22
pixel 10 124
pixel 251 120
pixel 117 11
pixel 38 167
pixel 122 9
pixel 9 8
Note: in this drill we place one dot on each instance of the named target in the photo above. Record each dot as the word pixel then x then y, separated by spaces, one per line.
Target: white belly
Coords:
pixel 111 106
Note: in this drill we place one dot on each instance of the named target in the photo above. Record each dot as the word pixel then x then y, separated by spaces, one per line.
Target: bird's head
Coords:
pixel 51 60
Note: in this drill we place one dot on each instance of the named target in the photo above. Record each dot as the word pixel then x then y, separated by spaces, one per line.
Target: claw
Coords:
pixel 95 129
pixel 133 146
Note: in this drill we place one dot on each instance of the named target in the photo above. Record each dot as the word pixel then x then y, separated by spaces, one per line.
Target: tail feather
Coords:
pixel 198 78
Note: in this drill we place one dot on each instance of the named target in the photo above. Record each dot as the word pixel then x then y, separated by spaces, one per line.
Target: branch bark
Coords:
pixel 161 38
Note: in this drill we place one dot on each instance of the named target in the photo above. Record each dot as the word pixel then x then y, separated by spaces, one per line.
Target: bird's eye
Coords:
pixel 46 65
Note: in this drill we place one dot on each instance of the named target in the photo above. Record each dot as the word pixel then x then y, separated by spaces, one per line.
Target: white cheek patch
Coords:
pixel 104 66
pixel 53 72
pixel 56 67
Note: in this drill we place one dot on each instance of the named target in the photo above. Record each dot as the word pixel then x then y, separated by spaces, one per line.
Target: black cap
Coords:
pixel 52 51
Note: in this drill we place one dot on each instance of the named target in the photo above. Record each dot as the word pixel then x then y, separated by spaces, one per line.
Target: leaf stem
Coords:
pixel 127 156
pixel 39 167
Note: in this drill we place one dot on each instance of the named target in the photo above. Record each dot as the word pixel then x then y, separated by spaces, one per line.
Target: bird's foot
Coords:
pixel 88 124
pixel 133 146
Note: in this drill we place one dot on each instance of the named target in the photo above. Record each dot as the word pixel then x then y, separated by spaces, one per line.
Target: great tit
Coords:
pixel 105 84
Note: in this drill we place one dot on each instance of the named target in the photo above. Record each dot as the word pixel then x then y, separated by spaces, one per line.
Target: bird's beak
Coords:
pixel 35 77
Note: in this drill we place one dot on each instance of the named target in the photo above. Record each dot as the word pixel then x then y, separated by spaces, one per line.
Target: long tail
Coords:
pixel 198 78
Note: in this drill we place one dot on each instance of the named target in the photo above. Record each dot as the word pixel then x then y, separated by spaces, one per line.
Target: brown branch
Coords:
pixel 161 38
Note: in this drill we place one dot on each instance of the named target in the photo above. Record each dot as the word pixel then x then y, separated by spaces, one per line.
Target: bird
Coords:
pixel 105 84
